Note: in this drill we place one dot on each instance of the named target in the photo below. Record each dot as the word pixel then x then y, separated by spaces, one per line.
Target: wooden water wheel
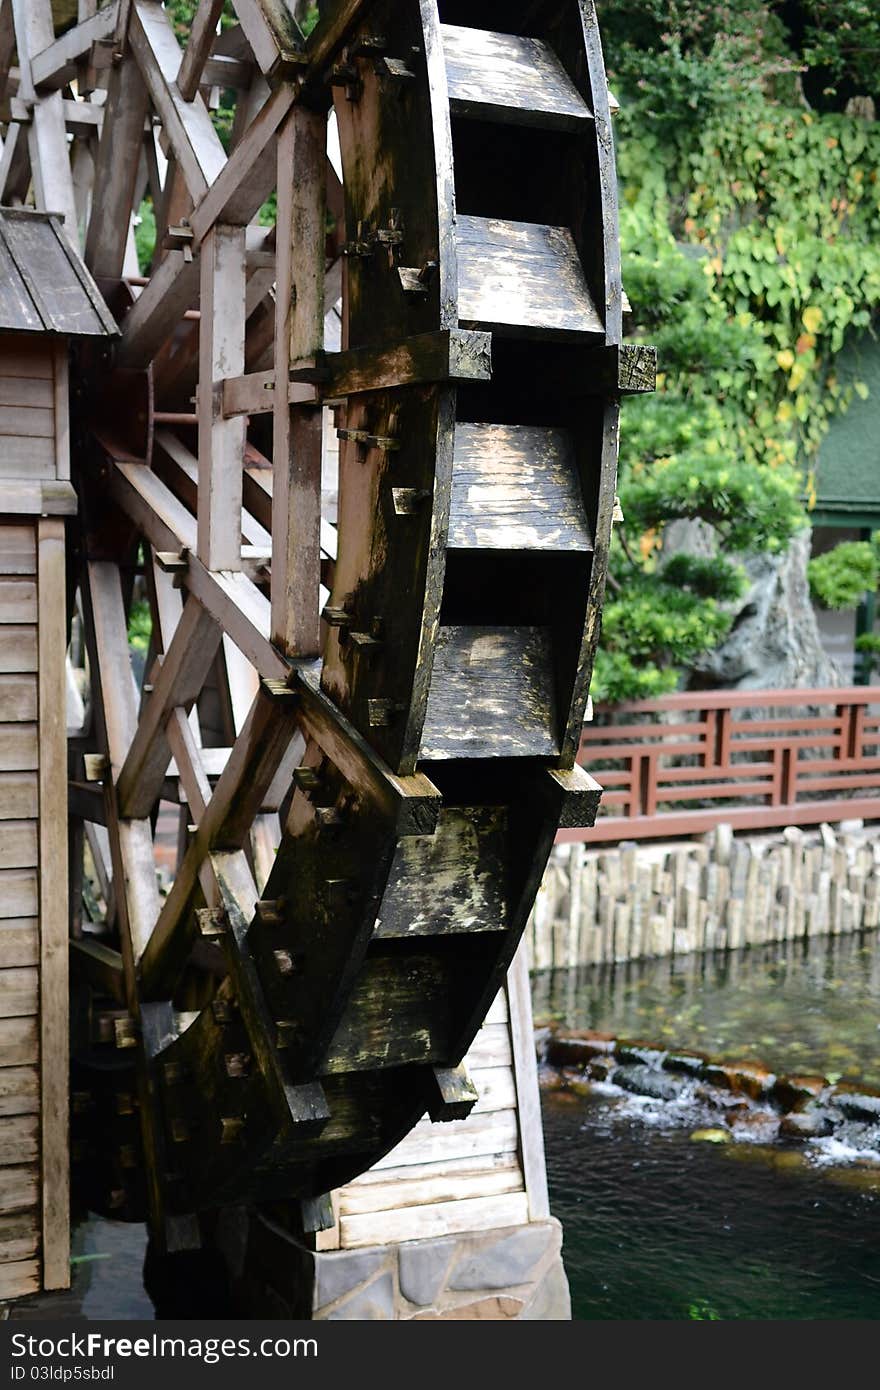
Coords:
pixel 365 719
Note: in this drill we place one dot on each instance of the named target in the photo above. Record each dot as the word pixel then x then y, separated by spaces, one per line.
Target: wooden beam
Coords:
pixel 7 45
pixel 298 430
pixel 181 676
pixel 196 144
pixel 248 177
pixel 273 34
pixel 131 842
pixel 57 64
pixel 116 169
pixel 221 441
pixel 226 823
pixel 233 600
pixel 47 136
pixel 173 288
pixel 201 39
pixel 528 1099
pixel 52 639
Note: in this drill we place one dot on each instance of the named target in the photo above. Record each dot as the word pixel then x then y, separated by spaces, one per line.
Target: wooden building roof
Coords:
pixel 44 286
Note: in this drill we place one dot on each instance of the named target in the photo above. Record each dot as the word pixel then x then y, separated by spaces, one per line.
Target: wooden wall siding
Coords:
pixel 27 409
pixel 20 1091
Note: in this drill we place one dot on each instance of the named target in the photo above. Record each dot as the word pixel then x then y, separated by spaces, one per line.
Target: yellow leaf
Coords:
pixel 784 412
pixel 785 358
pixel 812 318
pixel 832 142
pixel 797 376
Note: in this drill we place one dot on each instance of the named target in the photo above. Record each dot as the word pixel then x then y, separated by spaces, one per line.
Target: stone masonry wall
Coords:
pixel 492 1275
pixel 642 900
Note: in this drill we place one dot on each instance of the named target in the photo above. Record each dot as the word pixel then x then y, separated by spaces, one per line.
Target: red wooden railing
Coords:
pixel 684 763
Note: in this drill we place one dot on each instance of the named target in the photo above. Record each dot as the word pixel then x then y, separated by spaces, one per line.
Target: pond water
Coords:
pixel 811 1006
pixel 658 1225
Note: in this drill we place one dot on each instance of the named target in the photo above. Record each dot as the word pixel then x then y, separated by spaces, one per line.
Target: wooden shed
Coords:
pixel 46 298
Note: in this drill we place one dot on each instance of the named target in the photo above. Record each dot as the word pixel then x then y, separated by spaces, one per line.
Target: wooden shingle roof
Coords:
pixel 44 286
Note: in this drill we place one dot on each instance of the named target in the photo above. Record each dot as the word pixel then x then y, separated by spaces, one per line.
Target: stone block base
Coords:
pixel 515 1272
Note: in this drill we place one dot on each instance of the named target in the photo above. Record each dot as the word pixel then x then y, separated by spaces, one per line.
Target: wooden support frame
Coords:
pixel 298 430
pixel 221 441
pixel 51 601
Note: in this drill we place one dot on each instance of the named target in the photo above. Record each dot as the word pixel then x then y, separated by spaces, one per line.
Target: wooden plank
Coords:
pixel 19 1279
pixel 490 1048
pixel 53 905
pixel 131 841
pixel 297 431
pixel 414 1191
pixel 437 1219
pixel 447 355
pixel 19 1045
pixel 483 1163
pixel 197 148
pixel 27 456
pixel 18 649
pixel 19 1188
pixel 397 1013
pixel 28 422
pixel 18 747
pixel 26 391
pixel 19 993
pixel 522 275
pixel 221 354
pixel 19 1139
pixel 18 796
pixel 525 1073
pixel 451 881
pixel 18 600
pixel 47 136
pixel 19 943
pixel 491 694
pixel 116 168
pixel 516 487
pixel 19 1237
pixel 30 497
pixel 18 894
pixel 17 698
pixel 18 845
pixel 18 544
pixel 510 79
pixel 181 676
pixel 62 409
pixel 25 357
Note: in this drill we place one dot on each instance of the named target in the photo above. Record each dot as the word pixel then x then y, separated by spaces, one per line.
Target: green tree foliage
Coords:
pixel 841 577
pixel 751 236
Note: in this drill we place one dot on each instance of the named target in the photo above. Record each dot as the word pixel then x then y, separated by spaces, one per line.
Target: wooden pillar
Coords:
pixel 221 354
pixel 52 704
pixel 299 332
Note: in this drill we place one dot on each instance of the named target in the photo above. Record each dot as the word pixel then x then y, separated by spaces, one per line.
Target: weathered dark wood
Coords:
pixel 449 882
pixel 491 695
pixel 504 77
pixel 456 1094
pixel 518 275
pixel 516 488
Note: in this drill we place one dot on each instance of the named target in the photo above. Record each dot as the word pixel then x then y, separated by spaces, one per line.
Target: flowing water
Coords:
pixel 659 1224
